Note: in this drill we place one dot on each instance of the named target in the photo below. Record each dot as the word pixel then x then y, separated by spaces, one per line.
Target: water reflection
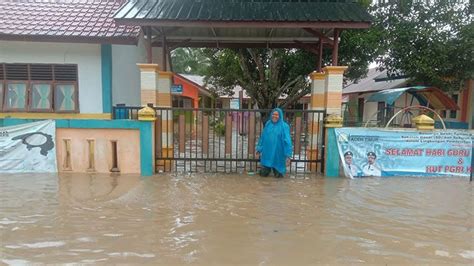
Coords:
pixel 226 219
pixel 83 188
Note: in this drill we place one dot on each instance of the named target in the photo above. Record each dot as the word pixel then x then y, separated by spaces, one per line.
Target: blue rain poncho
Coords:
pixel 274 144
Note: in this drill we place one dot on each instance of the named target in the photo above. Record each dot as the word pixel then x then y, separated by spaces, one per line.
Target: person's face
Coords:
pixel 348 159
pixel 275 116
pixel 371 159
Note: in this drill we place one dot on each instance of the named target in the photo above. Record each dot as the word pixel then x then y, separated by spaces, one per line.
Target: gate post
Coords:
pixel 163 97
pixel 333 89
pixel 315 120
pixel 147 115
pixel 331 156
pixel 148 83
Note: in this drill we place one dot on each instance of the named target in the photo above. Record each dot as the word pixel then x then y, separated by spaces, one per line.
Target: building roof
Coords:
pixel 197 81
pixel 86 21
pixel 375 82
pixel 432 96
pixel 244 10
pixel 244 23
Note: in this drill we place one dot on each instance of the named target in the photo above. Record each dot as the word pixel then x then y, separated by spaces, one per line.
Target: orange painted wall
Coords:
pixel 190 90
pixel 128 149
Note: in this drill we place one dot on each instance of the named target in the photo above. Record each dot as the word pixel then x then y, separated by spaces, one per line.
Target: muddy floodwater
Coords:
pixel 210 219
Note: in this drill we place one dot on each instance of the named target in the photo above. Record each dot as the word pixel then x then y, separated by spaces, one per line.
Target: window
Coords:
pixel 381 113
pixel 15 96
pixel 177 102
pixel 443 114
pixel 38 88
pixel 65 98
pixel 1 95
pixel 390 112
pixel 41 96
pixel 453 113
pixel 360 109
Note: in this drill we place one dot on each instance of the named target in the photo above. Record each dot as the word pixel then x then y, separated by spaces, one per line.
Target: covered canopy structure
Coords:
pixel 307 24
pixel 312 25
pixel 426 96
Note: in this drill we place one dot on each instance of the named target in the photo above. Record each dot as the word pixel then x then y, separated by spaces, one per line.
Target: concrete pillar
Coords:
pixel 331 156
pixel 147 115
pixel 165 80
pixel 333 89
pixel 148 83
pixel 315 121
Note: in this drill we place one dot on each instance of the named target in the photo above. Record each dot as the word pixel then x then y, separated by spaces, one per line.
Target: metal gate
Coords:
pixel 225 140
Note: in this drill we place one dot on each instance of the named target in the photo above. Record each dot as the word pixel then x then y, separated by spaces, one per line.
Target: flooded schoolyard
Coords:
pixel 234 219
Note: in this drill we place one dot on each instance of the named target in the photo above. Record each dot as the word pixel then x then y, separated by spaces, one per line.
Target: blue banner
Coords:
pixel 176 89
pixel 378 152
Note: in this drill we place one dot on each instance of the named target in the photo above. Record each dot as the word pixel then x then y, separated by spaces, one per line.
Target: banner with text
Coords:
pixel 28 148
pixel 377 152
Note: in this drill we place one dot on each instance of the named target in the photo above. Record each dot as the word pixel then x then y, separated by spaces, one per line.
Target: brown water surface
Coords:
pixel 234 219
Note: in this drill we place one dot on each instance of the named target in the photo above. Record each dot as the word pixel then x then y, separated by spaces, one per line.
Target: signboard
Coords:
pixel 234 104
pixel 177 89
pixel 28 147
pixel 372 152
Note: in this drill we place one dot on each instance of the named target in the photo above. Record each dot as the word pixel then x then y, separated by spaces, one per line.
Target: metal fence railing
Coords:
pixel 225 140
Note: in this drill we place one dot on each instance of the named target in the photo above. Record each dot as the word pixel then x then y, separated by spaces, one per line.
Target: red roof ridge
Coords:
pixel 89 21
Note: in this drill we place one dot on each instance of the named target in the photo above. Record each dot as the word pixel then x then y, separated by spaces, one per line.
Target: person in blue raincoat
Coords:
pixel 274 146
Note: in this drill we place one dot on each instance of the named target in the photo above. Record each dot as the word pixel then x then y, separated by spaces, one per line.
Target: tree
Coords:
pixel 429 41
pixel 189 61
pixel 265 74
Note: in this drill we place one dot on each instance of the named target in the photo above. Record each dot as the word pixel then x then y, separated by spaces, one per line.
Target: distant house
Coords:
pixel 361 109
pixel 66 57
pixel 223 101
pixel 356 94
pixel 191 92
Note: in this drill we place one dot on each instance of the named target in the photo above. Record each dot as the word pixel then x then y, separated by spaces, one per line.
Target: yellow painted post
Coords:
pixel 333 89
pixel 146 114
pixel 148 83
pixel 333 105
pixel 315 121
pixel 163 99
pixel 424 122
pixel 148 94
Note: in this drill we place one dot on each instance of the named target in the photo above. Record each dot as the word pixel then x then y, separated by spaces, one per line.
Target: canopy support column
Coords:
pixel 335 48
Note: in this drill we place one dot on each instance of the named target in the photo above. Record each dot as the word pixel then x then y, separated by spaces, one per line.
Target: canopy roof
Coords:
pixel 425 95
pixel 244 23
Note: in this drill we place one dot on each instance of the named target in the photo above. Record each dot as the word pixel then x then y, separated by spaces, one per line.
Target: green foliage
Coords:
pixel 265 74
pixel 189 61
pixel 219 128
pixel 429 41
pixel 357 49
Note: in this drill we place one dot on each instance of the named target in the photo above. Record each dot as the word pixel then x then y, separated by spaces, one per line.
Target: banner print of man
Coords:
pixel 350 168
pixel 371 168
